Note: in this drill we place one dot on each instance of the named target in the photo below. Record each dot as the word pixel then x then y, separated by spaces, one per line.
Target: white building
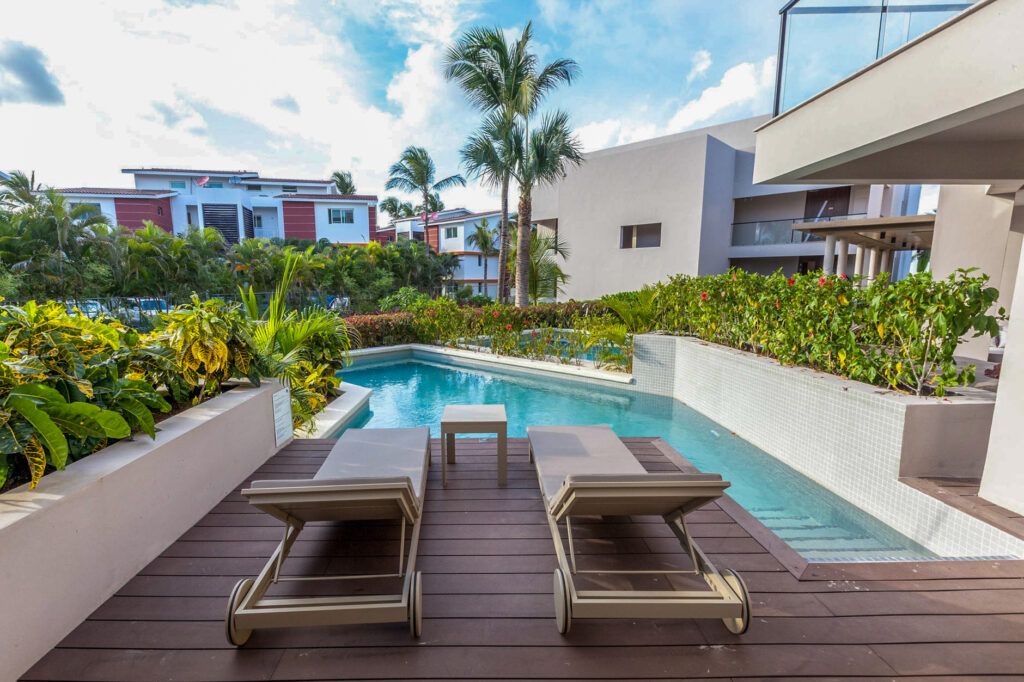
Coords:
pixel 686 204
pixel 239 204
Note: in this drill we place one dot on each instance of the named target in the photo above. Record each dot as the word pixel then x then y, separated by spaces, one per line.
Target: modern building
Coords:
pixel 946 107
pixel 447 232
pixel 239 204
pixel 686 204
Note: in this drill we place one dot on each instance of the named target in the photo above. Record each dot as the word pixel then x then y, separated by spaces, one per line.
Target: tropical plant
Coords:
pixel 545 277
pixel 637 312
pixel 403 299
pixel 541 158
pixel 481 237
pixel 502 79
pixel 397 209
pixel 343 182
pixel 415 172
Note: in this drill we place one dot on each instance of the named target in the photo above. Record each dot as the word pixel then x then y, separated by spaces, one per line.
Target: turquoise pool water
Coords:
pixel 815 522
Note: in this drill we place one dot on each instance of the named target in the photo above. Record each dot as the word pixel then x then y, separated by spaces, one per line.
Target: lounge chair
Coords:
pixel 587 471
pixel 369 474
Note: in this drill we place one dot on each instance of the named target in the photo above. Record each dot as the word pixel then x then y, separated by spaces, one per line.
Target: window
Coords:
pixel 254 188
pixel 214 185
pixel 451 233
pixel 479 261
pixel 289 189
pixel 95 207
pixel 177 184
pixel 640 236
pixel 343 216
pixel 159 210
pixel 258 220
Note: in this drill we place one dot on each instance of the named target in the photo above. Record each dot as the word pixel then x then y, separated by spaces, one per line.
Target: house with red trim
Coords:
pixel 239 204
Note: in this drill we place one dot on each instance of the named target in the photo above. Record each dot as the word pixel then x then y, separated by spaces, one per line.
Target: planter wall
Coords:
pixel 854 439
pixel 83 532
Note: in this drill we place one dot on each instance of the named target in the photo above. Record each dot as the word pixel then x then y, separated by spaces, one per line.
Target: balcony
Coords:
pixel 823 41
pixel 774 232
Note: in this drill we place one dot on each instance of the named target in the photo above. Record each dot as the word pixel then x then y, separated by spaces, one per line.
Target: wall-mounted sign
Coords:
pixel 282 417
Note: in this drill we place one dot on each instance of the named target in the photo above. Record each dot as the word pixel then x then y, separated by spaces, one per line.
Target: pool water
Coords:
pixel 818 524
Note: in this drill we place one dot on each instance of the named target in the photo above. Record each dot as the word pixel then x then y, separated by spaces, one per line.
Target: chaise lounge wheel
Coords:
pixel 416 605
pixel 237 636
pixel 563 603
pixel 737 626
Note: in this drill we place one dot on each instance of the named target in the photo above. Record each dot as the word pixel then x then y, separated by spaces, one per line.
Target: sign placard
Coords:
pixel 282 416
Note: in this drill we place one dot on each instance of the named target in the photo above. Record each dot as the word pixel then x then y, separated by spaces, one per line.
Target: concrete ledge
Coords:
pixel 83 532
pixel 340 411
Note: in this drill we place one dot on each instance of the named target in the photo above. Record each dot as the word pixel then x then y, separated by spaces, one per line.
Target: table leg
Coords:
pixel 503 458
pixel 449 447
pixel 444 459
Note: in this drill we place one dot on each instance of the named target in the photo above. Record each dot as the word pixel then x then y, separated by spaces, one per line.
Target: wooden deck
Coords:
pixel 487 560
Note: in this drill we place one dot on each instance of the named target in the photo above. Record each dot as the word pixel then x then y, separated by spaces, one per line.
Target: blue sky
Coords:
pixel 304 87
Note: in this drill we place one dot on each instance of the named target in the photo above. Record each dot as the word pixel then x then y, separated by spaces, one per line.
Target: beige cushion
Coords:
pixel 562 451
pixel 380 453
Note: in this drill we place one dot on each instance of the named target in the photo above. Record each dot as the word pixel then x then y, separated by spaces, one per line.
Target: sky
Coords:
pixel 300 88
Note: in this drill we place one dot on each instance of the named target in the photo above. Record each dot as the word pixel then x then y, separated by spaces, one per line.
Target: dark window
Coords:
pixel 177 184
pixel 254 188
pixel 159 210
pixel 640 236
pixel 289 189
pixel 214 185
pixel 822 204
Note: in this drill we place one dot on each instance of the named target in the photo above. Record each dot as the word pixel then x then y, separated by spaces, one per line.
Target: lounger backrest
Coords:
pixel 635 495
pixel 349 499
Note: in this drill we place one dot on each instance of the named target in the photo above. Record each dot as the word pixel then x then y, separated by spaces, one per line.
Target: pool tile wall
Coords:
pixel 847 436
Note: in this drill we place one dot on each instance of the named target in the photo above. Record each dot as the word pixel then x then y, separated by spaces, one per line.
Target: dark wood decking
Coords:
pixel 487 559
pixel 962 493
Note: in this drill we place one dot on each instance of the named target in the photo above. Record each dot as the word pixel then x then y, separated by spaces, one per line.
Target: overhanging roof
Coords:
pixel 898 233
pixel 946 108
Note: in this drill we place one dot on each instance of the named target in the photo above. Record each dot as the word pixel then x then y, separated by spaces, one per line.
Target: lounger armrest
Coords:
pixel 635 494
pixel 316 482
pixel 335 499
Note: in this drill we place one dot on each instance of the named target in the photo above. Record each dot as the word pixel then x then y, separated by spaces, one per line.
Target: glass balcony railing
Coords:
pixel 771 232
pixel 822 42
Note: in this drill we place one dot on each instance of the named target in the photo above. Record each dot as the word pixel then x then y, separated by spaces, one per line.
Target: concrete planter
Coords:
pixel 83 532
pixel 854 439
pixel 340 412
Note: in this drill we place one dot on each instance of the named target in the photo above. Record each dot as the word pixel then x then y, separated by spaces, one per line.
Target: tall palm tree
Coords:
pixel 20 191
pixel 68 225
pixel 343 181
pixel 541 157
pixel 396 208
pixel 503 77
pixel 434 204
pixel 482 237
pixel 415 172
pixel 544 275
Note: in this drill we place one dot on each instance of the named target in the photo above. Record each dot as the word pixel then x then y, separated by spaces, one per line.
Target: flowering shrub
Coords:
pixel 386 329
pixel 901 335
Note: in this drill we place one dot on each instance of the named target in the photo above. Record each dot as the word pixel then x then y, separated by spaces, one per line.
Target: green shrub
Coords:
pixel 900 335
pixel 384 329
pixel 403 299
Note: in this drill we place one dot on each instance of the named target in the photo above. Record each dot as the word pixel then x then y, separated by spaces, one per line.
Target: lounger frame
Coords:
pixel 726 596
pixel 252 609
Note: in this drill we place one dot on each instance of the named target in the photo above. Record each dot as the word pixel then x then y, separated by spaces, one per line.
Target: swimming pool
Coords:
pixel 818 524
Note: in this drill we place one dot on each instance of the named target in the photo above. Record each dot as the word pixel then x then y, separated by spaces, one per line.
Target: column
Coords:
pixel 873 265
pixel 199 210
pixel 886 263
pixel 858 261
pixel 844 251
pixel 1003 479
pixel 830 254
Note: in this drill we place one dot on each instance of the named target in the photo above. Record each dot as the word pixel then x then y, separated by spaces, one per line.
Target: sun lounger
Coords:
pixel 369 474
pixel 587 471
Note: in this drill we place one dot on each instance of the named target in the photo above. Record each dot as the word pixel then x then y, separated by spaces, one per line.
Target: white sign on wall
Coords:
pixel 282 416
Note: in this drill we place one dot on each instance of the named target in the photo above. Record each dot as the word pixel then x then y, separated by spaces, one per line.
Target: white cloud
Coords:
pixel 612 132
pixel 745 89
pixel 701 62
pixel 151 83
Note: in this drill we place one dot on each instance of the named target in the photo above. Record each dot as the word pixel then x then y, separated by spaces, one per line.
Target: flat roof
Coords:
pixel 327 197
pixel 894 233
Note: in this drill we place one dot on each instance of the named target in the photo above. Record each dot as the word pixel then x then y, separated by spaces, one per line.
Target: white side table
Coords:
pixel 474 419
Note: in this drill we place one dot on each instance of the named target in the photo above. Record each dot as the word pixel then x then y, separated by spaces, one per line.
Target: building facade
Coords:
pixel 686 204
pixel 239 204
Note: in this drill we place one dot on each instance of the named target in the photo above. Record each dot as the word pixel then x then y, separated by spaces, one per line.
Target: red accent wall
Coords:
pixel 372 211
pixel 131 212
pixel 299 220
pixel 432 234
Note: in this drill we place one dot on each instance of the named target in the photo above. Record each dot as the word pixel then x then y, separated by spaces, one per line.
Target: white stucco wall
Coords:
pixel 107 207
pixel 354 233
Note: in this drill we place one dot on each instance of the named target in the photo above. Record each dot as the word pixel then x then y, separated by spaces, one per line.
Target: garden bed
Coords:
pixel 83 532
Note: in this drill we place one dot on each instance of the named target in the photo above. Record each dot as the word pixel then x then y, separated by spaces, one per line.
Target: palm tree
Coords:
pixel 68 225
pixel 544 276
pixel 20 191
pixel 434 204
pixel 541 157
pixel 343 181
pixel 482 237
pixel 502 77
pixel 396 208
pixel 415 172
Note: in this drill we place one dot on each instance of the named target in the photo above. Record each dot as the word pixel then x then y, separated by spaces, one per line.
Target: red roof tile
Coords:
pixel 118 191
pixel 329 197
pixel 254 181
pixel 197 171
pixel 463 218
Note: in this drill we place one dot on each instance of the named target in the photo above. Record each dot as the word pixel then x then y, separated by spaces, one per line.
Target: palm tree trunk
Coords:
pixel 426 228
pixel 487 285
pixel 523 247
pixel 503 244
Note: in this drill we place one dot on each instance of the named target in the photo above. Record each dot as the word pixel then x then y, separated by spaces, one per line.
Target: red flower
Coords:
pixel 777 305
pixel 704 295
pixel 791 281
pixel 822 280
pixel 508 327
pixel 495 313
pixel 843 276
pixel 432 312
pixel 535 334
pixel 810 334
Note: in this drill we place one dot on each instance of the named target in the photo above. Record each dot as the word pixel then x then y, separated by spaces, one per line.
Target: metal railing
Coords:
pixel 771 232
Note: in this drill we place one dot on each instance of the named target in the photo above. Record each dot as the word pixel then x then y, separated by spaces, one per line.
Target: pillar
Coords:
pixel 873 264
pixel 830 254
pixel 1003 479
pixel 844 251
pixel 199 210
pixel 886 263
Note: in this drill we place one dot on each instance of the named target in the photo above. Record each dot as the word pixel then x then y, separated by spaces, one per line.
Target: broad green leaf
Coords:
pixel 113 424
pixel 36 458
pixel 46 430
pixel 38 392
pixel 141 414
pixel 5 469
pixel 14 434
pixel 77 419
